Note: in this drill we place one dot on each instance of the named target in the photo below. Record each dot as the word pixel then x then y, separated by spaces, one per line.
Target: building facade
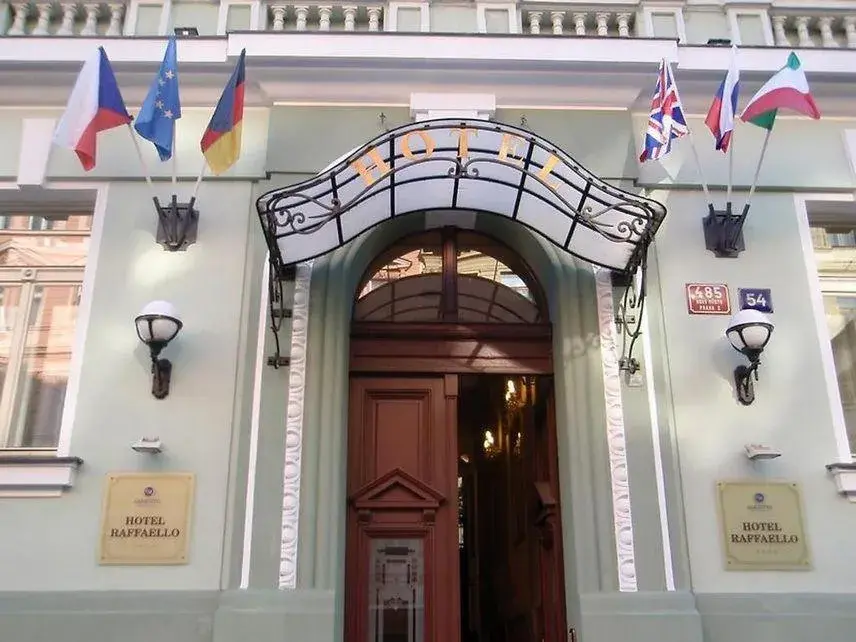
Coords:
pixel 403 403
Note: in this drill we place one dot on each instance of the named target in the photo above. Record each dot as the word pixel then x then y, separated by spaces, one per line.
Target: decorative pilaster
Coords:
pixel 615 434
pixel 278 12
pixel 779 35
pixel 850 30
pixel 623 20
pixel 580 24
pixel 803 35
pixel 117 12
pixel 602 21
pixel 90 27
pixel 294 427
pixel 302 12
pixel 350 12
pixel 324 13
pixel 374 18
pixel 43 24
pixel 19 23
pixel 557 18
pixel 535 22
pixel 69 13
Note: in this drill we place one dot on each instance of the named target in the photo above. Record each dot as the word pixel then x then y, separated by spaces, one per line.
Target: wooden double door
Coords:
pixel 406 569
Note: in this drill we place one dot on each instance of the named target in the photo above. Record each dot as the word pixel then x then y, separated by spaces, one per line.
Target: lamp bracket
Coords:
pixel 161 375
pixel 743 376
pixel 723 231
pixel 177 224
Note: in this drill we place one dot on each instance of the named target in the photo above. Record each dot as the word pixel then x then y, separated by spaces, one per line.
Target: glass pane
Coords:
pixel 10 299
pixel 751 29
pixel 396 591
pixel 840 316
pixel 475 263
pixel 409 19
pixel 43 377
pixel 423 258
pixel 39 241
pixel 496 21
pixel 239 18
pixel 664 25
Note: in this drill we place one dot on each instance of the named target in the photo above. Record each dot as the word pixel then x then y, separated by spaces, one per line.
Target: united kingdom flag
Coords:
pixel 666 121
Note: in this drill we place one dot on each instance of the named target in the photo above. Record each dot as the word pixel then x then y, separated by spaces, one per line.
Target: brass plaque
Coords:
pixel 146 518
pixel 762 526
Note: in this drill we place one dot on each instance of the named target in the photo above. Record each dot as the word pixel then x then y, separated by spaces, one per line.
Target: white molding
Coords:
pixel 250 498
pixel 40 479
pixel 390 22
pixel 734 25
pixel 845 480
pixel 850 148
pixel 839 425
pixel 619 475
pixel 659 475
pixel 481 18
pixel 294 427
pixel 442 105
pixel 223 15
pixel 36 141
pixel 648 12
pixel 84 311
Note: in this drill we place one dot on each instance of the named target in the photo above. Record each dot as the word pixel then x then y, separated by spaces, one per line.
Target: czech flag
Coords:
pixel 95 105
pixel 221 142
pixel 720 116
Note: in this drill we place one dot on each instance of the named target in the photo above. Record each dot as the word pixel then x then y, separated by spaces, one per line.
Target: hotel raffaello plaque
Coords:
pixel 146 518
pixel 762 526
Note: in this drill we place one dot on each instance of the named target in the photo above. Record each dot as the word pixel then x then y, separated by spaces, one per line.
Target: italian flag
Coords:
pixel 787 89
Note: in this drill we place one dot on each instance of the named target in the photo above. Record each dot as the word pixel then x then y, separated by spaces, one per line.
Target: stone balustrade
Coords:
pixel 579 22
pixel 66 18
pixel 805 30
pixel 325 17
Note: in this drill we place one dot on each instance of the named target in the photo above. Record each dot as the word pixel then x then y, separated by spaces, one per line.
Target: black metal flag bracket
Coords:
pixel 723 231
pixel 177 223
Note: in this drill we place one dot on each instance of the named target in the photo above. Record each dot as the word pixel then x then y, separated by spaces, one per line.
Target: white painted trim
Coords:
pixel 850 148
pixel 648 12
pixel 130 28
pixel 294 427
pixel 84 313
pixel 38 479
pixel 734 25
pixel 481 18
pixel 615 436
pixel 845 482
pixel 36 144
pixel 390 22
pixel 250 501
pixel 223 15
pixel 839 425
pixel 648 361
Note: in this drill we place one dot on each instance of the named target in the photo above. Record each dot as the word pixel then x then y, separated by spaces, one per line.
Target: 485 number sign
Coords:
pixel 708 298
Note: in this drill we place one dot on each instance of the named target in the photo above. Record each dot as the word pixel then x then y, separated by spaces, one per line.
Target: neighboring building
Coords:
pixel 404 405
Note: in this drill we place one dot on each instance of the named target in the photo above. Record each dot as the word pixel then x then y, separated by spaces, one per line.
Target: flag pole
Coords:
pixel 174 165
pixel 757 173
pixel 704 186
pixel 143 163
pixel 730 171
pixel 199 180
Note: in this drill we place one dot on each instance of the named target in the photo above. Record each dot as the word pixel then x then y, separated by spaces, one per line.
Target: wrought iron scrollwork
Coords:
pixel 629 316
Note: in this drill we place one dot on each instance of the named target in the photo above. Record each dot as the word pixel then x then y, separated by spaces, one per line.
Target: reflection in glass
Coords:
pixel 43 375
pixel 10 300
pixel 396 591
pixel 38 241
pixel 841 320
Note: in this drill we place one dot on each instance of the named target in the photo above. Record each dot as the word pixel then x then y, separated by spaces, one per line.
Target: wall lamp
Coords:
pixel 157 324
pixel 749 332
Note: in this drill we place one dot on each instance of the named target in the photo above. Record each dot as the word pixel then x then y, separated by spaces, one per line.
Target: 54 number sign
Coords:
pixel 755 299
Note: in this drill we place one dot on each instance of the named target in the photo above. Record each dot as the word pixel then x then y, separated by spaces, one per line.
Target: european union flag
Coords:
pixel 161 108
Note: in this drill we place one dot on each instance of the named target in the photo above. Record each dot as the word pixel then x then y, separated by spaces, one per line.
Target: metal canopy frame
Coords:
pixel 458 164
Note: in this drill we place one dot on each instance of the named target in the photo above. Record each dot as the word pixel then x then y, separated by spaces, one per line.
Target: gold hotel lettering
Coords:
pixel 405 145
pixel 366 171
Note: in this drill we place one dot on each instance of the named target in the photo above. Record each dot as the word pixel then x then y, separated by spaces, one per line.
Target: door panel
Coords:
pixel 401 560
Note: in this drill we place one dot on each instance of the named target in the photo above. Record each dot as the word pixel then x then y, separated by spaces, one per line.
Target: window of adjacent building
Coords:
pixel 834 242
pixel 408 19
pixel 148 21
pixel 497 21
pixel 42 258
pixel 202 15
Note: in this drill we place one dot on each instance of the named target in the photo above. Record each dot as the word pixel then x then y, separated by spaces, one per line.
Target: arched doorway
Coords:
pixel 453 528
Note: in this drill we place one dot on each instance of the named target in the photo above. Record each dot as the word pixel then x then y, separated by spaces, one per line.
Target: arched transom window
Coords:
pixel 449 275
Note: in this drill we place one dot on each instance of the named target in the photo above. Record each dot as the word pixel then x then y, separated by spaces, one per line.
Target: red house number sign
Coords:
pixel 708 298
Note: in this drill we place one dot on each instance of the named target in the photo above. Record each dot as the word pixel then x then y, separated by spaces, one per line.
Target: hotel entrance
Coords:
pixel 453 528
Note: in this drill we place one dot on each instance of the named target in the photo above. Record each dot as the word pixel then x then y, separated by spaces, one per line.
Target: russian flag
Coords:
pixel 221 141
pixel 95 105
pixel 720 116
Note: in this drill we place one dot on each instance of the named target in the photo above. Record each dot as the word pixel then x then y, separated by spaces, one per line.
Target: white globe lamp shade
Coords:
pixel 158 323
pixel 749 331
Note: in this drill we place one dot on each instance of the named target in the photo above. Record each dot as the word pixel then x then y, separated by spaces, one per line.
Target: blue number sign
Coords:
pixel 755 299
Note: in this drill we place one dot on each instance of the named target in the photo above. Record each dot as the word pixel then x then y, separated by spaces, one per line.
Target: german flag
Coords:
pixel 221 142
